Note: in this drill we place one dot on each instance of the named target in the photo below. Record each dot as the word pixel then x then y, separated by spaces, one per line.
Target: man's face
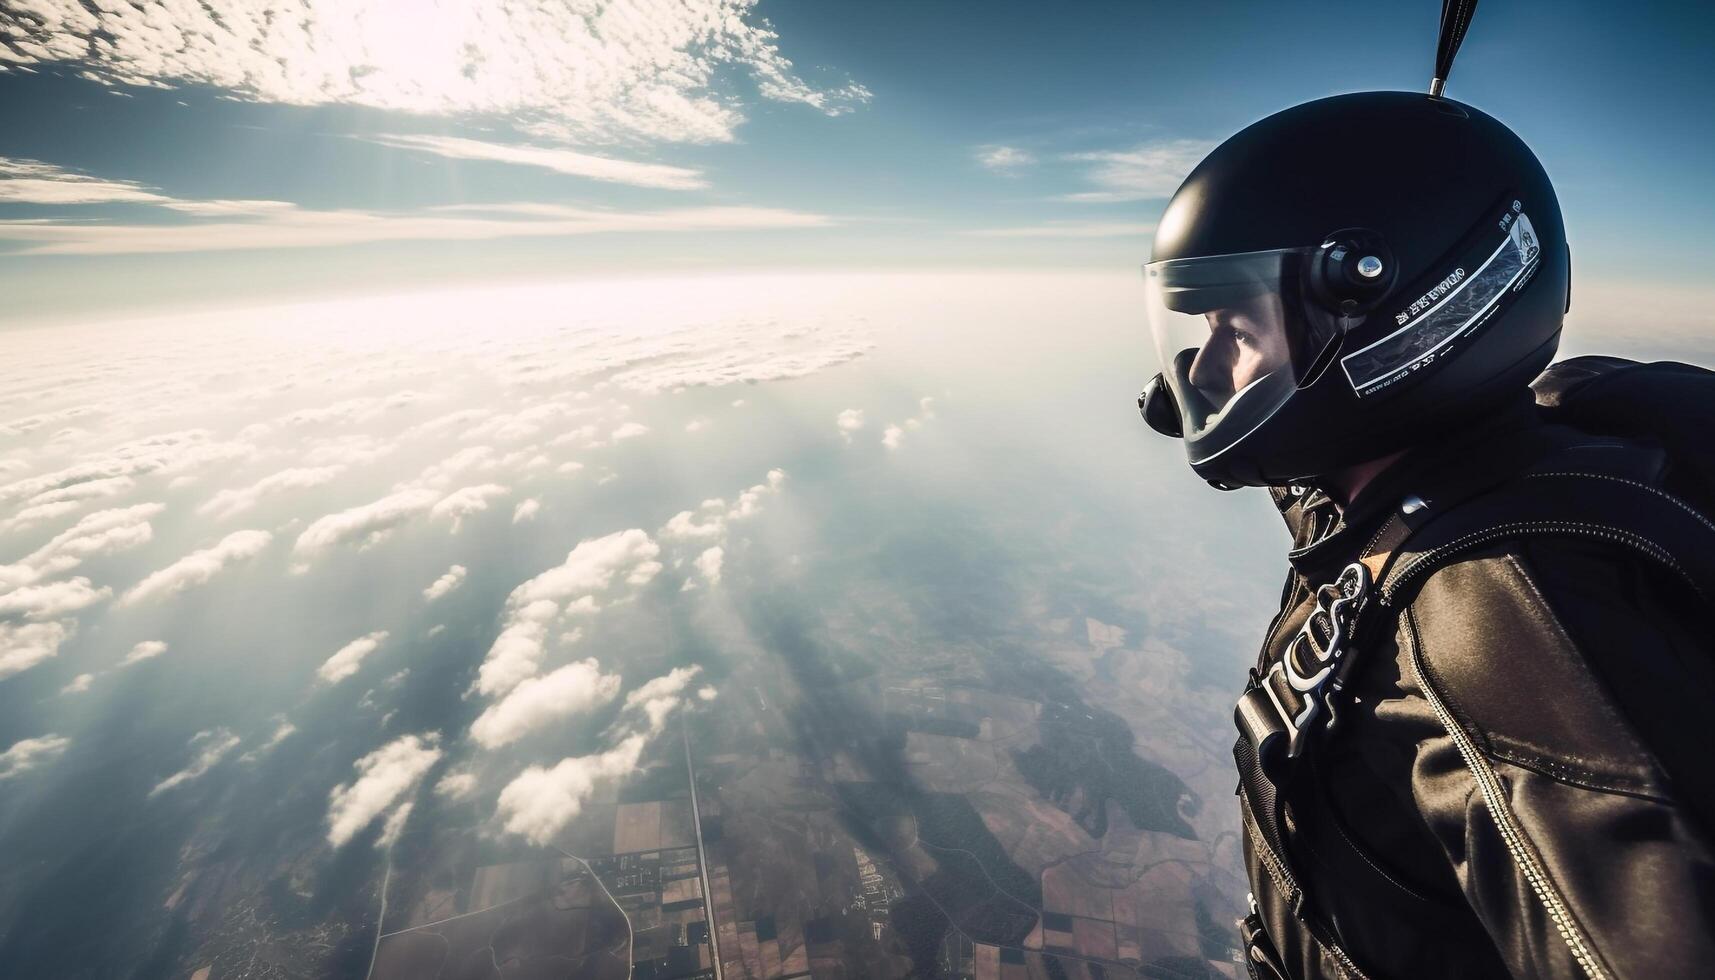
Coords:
pixel 1246 341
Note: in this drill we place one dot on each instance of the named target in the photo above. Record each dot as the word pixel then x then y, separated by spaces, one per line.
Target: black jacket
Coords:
pixel 1521 781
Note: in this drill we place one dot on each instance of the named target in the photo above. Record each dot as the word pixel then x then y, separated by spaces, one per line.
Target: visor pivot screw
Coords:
pixel 1369 267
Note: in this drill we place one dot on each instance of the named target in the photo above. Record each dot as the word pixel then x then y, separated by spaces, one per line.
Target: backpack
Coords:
pixel 1669 403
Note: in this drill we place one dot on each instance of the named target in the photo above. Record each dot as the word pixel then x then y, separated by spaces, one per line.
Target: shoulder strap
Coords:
pixel 1577 503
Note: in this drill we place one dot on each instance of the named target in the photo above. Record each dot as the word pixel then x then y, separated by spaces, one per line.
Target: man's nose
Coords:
pixel 1209 369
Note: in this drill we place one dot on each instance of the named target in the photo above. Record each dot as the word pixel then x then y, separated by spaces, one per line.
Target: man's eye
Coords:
pixel 1244 337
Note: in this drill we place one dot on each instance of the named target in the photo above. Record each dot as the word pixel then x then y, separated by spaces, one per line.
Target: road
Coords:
pixel 702 855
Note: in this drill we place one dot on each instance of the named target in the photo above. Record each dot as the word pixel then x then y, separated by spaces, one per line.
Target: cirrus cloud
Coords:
pixel 1144 172
pixel 1005 160
pixel 558 159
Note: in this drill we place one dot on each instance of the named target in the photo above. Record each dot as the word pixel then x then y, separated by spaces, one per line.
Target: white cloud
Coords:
pixel 368 523
pixel 1006 160
pixel 749 502
pixel 466 460
pixel 697 425
pixel 282 731
pixel 1070 229
pixel 198 567
pixel 709 564
pixel 37 513
pixel 453 578
pixel 708 523
pixel 456 786
pixel 624 70
pixel 34 182
pixel 110 487
pixel 540 701
pixel 526 510
pixel 707 693
pixel 894 436
pixel 629 430
pixel 145 650
pixel 558 159
pixel 171 453
pixel 101 533
pixel 78 684
pixel 227 503
pixel 1145 172
pixel 212 746
pixel 590 569
pixel 540 801
pixel 53 599
pixel 467 501
pixel 385 776
pixel 394 827
pixel 849 421
pixel 298 228
pixel 30 753
pixel 657 698
pixel 25 645
pixel 347 659
pixel 513 655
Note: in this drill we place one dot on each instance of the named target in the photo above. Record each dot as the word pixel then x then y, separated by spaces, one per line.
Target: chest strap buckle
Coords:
pixel 1296 690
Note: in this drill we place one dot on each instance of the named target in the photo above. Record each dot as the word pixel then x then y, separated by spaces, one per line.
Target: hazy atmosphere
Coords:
pixel 654 489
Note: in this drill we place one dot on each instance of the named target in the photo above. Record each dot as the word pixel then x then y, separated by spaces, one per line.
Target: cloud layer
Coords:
pixel 629 69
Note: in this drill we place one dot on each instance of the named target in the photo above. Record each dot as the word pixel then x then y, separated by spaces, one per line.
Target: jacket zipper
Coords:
pixel 1490 786
pixel 1488 783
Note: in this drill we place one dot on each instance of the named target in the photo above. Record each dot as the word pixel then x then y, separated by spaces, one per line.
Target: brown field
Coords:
pixel 637 827
pixel 500 883
pixel 677 829
pixel 1094 938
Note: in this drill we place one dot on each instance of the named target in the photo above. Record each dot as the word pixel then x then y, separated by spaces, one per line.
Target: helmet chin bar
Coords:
pixel 1158 409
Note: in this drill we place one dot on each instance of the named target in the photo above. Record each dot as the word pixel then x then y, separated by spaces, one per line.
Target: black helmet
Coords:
pixel 1348 278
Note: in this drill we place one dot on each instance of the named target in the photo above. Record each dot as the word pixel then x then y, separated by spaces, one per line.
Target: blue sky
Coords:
pixel 793 133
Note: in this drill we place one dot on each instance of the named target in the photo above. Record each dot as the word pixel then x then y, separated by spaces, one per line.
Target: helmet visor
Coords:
pixel 1235 338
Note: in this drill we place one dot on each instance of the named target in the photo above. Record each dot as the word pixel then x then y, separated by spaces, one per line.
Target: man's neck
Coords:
pixel 1345 485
